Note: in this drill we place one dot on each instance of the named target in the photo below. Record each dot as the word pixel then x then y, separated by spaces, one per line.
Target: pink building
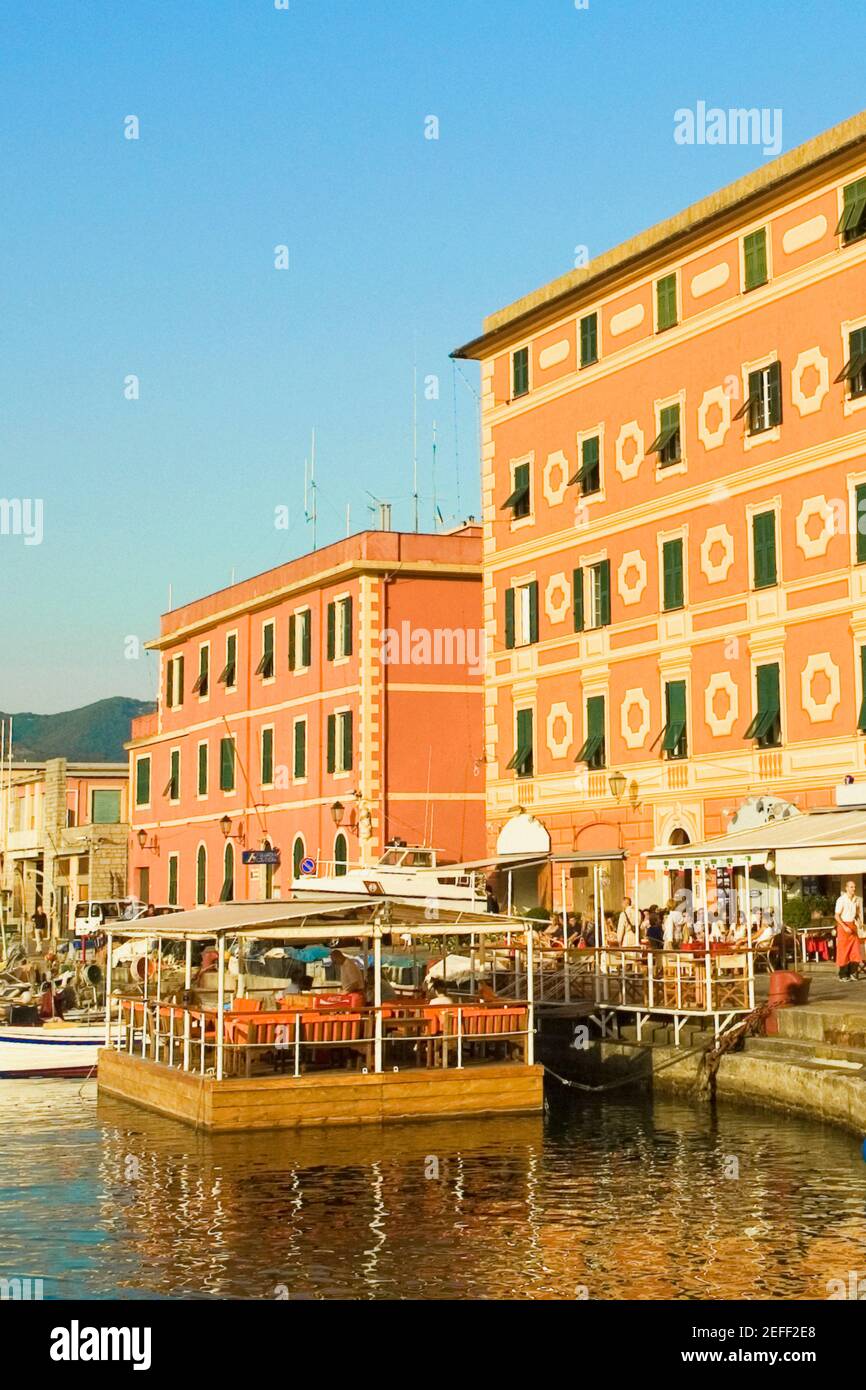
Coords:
pixel 316 710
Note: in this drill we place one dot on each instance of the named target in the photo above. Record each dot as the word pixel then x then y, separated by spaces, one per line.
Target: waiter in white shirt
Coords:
pixel 849 920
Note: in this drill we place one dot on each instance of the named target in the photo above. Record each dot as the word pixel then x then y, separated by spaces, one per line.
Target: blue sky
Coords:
pixel 305 127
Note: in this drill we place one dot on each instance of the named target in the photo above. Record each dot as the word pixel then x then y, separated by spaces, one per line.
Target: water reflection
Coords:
pixel 622 1198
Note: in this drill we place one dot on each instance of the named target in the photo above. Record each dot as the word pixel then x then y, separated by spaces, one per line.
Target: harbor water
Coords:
pixel 625 1198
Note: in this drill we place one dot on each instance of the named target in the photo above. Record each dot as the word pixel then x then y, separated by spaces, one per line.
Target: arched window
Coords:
pixel 341 855
pixel 201 877
pixel 297 855
pixel 227 892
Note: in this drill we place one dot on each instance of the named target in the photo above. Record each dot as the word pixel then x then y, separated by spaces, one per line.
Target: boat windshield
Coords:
pixel 400 856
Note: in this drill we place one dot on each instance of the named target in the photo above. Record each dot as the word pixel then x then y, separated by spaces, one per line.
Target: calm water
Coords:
pixel 627 1199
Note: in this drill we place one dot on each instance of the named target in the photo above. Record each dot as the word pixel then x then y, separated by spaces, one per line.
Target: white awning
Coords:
pixel 817 842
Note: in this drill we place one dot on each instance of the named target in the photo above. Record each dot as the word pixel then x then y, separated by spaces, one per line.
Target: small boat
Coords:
pixel 58 1047
pixel 403 871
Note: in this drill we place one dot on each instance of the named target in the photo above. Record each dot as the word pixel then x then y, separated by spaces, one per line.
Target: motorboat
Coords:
pixel 402 871
pixel 53 1047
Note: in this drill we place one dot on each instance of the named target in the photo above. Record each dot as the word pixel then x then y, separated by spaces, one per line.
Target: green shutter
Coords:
pixel 332 631
pixel 174 775
pixel 765 727
pixel 672 572
pixel 297 856
pixel 347 741
pixel 666 301
pixel 306 635
pixel 227 891
pixel 577 599
pixel 300 763
pixel 509 618
pixel 179 681
pixel 861 721
pixel 105 807
pixel 520 372
pixel 267 756
pixel 588 340
pixel 588 474
pixel 674 739
pixel 347 626
pixel 227 765
pixel 332 742
pixel 518 500
pixel 202 769
pixel 522 761
pixel 142 782
pixel 860 521
pixel 775 375
pixel 593 751
pixel 604 593
pixel 533 611
pixel 201 876
pixel 764 543
pixel 172 881
pixel 169 684
pixel 852 223
pixel 292 658
pixel 755 258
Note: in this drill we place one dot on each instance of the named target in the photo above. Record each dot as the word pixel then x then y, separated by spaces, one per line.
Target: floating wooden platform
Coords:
pixel 321 1098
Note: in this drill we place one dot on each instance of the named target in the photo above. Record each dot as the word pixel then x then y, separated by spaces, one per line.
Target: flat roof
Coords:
pixel 664 237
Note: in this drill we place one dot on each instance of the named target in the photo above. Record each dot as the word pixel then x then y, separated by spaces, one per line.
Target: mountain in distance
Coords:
pixel 93 734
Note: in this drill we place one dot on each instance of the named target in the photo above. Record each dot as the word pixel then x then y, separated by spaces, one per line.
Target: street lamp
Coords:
pixel 226 828
pixel 338 810
pixel 616 781
pixel 143 842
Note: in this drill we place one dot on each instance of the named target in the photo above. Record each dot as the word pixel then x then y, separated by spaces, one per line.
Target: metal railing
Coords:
pixel 660 981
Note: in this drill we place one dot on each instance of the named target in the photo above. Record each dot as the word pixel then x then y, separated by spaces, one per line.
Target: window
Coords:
pixel 269 873
pixel 519 372
pixel 577 599
pixel 265 668
pixel 755 259
pixel 267 757
pixel 172 786
pixel 860 506
pixel 666 302
pixel 229 673
pixel 762 407
pixel 298 856
pixel 674 738
pixel 519 501
pixel 667 443
pixel 202 679
pixel 227 892
pixel 144 884
pixel 105 807
pixel 764 549
pixel 861 718
pixel 854 371
pixel 599 594
pixel 300 643
pixel 227 764
pixel 852 223
pixel 672 575
pixel 523 762
pixel 521 615
pixel 340 628
pixel 588 475
pixel 341 855
pixel 588 340
pixel 142 782
pixel 202 769
pixel 340 741
pixel 173 871
pixel 592 753
pixel 766 726
pixel 299 753
pixel 174 682
pixel 201 877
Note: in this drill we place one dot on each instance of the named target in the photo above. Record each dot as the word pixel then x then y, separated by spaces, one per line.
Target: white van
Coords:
pixel 92 916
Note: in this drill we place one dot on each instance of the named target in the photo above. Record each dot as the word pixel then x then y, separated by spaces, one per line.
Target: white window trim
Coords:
pixel 232 689
pixel 769 658
pixel 855 480
pixel 677 533
pixel 666 677
pixel 519 706
pixel 262 731
pixel 205 646
pixel 269 623
pixel 339 601
pixel 512 399
pixel 599 319
pixel 850 405
pixel 295 839
pixel 518 524
pixel 589 499
pixel 752 441
pixel 202 796
pixel 176 857
pixel 766 227
pixel 590 693
pixel 173 663
pixel 233 791
pixel 346 772
pixel 753 509
pixel 520 584
pixel 301 719
pixel 143 805
pixel 299 668
pixel 175 800
pixel 670 470
pixel 198 849
pixel 657 332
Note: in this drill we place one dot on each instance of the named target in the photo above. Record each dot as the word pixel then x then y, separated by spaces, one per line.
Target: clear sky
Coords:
pixel 305 127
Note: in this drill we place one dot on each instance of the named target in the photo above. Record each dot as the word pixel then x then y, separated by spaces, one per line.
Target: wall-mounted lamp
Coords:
pixel 338 812
pixel 144 844
pixel 616 781
pixel 226 828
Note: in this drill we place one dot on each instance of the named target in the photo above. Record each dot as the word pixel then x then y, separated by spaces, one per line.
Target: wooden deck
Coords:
pixel 322 1098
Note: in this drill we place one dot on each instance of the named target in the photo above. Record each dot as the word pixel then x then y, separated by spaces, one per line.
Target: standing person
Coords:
pixel 626 927
pixel 674 926
pixel 40 925
pixel 849 920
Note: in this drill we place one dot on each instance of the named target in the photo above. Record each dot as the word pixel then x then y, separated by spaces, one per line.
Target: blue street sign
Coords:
pixel 308 866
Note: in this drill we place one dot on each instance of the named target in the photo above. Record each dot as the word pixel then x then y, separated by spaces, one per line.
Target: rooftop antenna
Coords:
pixel 435 508
pixel 310 508
pixel 415 427
pixel 169 598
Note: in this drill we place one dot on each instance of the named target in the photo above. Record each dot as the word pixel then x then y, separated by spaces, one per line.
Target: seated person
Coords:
pixel 349 973
pixel 437 992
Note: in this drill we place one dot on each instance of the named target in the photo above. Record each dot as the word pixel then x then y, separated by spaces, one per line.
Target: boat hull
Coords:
pixel 49 1051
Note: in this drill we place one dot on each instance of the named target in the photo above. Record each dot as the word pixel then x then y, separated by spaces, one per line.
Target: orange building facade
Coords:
pixel 318 710
pixel 673 467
